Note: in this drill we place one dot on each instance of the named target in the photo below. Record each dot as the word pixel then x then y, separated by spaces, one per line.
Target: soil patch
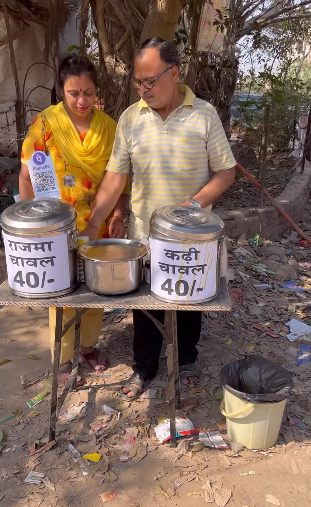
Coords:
pixel 280 170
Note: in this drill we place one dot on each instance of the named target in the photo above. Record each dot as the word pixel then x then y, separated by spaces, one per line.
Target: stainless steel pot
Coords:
pixel 113 266
pixel 27 222
pixel 185 245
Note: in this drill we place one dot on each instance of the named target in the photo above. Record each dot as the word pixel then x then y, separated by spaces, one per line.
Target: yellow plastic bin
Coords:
pixel 254 425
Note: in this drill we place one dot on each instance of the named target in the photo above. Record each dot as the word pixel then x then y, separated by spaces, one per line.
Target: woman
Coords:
pixel 79 139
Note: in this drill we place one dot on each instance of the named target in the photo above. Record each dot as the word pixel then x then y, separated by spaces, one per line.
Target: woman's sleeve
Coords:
pixel 34 140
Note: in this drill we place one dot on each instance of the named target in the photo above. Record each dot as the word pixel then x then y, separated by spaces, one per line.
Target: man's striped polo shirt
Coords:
pixel 170 159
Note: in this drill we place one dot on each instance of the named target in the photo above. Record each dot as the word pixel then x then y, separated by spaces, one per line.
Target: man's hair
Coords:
pixel 168 52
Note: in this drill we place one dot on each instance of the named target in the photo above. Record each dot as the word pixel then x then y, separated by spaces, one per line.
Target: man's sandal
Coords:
pixel 136 384
pixel 96 356
pixel 189 370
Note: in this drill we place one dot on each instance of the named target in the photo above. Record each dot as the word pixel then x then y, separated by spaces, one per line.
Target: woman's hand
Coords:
pixel 116 228
pixel 91 232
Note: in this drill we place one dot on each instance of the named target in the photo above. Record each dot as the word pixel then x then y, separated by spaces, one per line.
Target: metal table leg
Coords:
pixel 173 371
pixel 58 337
pixel 56 403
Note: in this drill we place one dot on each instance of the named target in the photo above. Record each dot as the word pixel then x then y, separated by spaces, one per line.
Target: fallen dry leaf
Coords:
pixel 273 500
pixel 222 496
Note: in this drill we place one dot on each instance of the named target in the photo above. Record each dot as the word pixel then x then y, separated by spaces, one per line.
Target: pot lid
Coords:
pixel 185 222
pixel 37 215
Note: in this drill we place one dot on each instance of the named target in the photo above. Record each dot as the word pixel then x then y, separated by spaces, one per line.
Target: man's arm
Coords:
pixel 217 185
pixel 106 199
pixel 116 223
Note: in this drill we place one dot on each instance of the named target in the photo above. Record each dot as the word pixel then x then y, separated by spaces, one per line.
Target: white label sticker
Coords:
pixel 37 265
pixel 43 176
pixel 183 272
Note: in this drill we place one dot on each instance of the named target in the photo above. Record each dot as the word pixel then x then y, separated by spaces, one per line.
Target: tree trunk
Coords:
pixel 162 19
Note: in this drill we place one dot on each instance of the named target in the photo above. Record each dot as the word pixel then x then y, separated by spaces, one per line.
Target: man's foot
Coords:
pixel 64 373
pixel 188 374
pixel 94 358
pixel 134 387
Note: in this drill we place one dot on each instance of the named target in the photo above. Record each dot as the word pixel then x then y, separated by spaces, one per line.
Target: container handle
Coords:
pixel 237 413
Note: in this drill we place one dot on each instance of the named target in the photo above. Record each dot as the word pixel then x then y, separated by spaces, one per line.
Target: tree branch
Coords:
pixel 24 17
pixel 282 11
pixel 251 27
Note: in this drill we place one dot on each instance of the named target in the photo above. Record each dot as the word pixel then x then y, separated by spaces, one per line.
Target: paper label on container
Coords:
pixel 42 174
pixel 183 272
pixel 37 265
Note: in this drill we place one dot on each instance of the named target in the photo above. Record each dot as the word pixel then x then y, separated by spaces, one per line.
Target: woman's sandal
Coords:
pixel 96 357
pixel 189 370
pixel 136 384
pixel 66 369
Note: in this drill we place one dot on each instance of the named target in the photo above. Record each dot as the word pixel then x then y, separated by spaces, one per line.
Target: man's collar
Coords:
pixel 188 100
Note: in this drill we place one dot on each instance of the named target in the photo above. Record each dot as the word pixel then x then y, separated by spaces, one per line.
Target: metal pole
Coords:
pixel 173 370
pixel 307 145
pixel 265 151
pixel 57 343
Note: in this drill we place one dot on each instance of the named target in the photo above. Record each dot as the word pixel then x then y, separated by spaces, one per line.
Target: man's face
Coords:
pixel 147 67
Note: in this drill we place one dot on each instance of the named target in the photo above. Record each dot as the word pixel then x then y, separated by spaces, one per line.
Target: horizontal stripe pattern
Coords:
pixel 170 159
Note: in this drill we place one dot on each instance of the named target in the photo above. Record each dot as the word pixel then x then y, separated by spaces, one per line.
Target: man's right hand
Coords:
pixel 90 232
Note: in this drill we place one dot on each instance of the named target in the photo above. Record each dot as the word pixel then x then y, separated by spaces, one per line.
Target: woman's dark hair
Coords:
pixel 75 66
pixel 168 52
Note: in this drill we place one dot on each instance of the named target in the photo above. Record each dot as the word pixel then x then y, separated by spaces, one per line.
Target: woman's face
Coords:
pixel 79 94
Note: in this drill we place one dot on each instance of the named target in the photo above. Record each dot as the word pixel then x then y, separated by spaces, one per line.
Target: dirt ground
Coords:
pixel 280 169
pixel 150 473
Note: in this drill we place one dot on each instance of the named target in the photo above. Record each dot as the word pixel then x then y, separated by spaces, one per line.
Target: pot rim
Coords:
pixel 113 241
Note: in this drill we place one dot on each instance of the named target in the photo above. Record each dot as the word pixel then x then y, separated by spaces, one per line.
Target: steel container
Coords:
pixel 184 227
pixel 120 270
pixel 42 218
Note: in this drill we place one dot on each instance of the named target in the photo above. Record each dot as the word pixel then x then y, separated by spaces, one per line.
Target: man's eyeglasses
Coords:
pixel 148 83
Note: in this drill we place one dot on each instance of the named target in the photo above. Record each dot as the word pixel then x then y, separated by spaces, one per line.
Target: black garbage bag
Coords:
pixel 257 380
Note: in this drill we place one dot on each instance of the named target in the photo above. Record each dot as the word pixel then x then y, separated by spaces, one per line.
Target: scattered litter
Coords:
pixel 184 427
pixel 37 399
pixel 75 412
pixel 160 473
pixel 105 497
pixel 291 286
pixel 222 496
pixel 263 286
pixel 8 418
pixel 34 478
pixel 109 410
pixel 236 447
pixel 94 457
pixel 33 357
pixel 33 413
pixel 255 241
pixel 119 407
pixel 158 490
pixel 251 472
pixel 43 449
pixel 304 354
pixel 48 484
pixel 150 394
pixel 244 276
pixel 299 331
pixel 76 456
pixel 265 330
pixel 200 493
pixel 273 500
pixel 208 493
pixel 243 252
pixel 4 361
pixel 197 447
pixel 213 439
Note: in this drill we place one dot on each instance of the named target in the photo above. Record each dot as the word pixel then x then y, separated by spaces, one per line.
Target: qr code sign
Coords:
pixel 44 181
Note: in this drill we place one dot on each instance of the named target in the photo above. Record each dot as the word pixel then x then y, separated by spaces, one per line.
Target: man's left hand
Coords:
pixel 116 228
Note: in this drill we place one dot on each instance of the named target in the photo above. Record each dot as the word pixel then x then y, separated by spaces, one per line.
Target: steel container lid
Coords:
pixel 37 216
pixel 184 222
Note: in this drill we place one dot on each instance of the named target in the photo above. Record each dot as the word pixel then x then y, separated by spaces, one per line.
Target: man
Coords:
pixel 170 139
